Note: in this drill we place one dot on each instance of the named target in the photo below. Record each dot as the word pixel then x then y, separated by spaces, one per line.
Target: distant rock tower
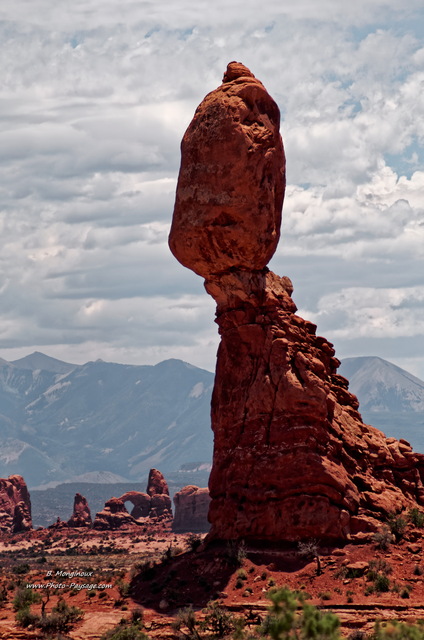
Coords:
pixel 292 457
pixel 15 505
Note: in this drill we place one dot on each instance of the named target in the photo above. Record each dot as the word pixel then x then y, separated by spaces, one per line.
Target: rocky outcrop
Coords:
pixel 141 503
pixel 157 489
pixel 292 457
pixel 191 510
pixel 113 516
pixel 81 516
pixel 15 505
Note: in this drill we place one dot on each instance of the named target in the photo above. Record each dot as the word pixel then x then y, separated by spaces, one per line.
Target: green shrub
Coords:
pixel 379 566
pixel 383 538
pixel 290 618
pixel 25 618
pixel 194 541
pixel 124 632
pixel 24 598
pixel 218 620
pixel 186 623
pixel 397 526
pixel 416 517
pixel 398 631
pixel 381 583
pixel 21 569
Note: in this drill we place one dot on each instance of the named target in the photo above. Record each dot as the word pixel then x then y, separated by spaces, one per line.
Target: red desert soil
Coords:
pixel 198 577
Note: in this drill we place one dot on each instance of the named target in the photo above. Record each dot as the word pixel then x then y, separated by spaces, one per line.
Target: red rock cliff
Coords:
pixel 292 457
pixel 15 505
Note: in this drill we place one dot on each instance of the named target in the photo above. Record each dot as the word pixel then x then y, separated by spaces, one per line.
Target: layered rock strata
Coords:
pixel 292 457
pixel 191 510
pixel 81 516
pixel 15 505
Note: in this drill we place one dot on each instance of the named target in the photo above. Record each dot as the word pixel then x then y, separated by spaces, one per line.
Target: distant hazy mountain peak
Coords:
pixel 39 361
pixel 383 386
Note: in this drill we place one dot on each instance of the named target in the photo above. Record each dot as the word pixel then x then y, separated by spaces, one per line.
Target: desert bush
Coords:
pixel 383 538
pixel 416 517
pixel 397 526
pixel 24 598
pixel 394 630
pixel 123 631
pixel 310 549
pixel 290 618
pixel 21 569
pixel 123 588
pixel 418 570
pixel 379 566
pixel 381 583
pixel 186 624
pixel 60 620
pixel 193 541
pixel 25 618
pixel 218 620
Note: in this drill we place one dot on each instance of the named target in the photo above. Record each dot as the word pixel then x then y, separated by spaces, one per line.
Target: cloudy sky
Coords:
pixel 94 99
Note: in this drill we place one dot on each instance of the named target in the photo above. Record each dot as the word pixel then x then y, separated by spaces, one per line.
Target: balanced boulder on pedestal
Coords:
pixel 292 457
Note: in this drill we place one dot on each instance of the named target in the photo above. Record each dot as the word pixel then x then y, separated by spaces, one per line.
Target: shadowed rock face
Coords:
pixel 15 505
pixel 292 457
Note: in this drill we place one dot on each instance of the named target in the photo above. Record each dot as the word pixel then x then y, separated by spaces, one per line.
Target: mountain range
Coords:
pixel 104 422
pixel 60 421
pixel 391 398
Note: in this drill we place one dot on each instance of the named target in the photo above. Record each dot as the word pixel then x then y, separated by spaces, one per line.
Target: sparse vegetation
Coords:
pixel 416 517
pixel 125 631
pixel 310 549
pixel 60 620
pixel 397 526
pixel 383 538
pixel 193 541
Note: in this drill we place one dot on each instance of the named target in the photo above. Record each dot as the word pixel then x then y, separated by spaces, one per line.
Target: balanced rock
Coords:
pixel 292 457
pixel 141 503
pixel 113 516
pixel 81 516
pixel 15 505
pixel 191 510
pixel 231 183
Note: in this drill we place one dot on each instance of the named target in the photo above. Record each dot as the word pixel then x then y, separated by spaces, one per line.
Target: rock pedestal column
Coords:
pixel 292 458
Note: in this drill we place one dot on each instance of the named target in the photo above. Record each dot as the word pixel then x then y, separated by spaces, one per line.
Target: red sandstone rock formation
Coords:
pixel 191 510
pixel 113 516
pixel 81 516
pixel 141 501
pixel 156 483
pixel 157 489
pixel 292 457
pixel 231 183
pixel 15 505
